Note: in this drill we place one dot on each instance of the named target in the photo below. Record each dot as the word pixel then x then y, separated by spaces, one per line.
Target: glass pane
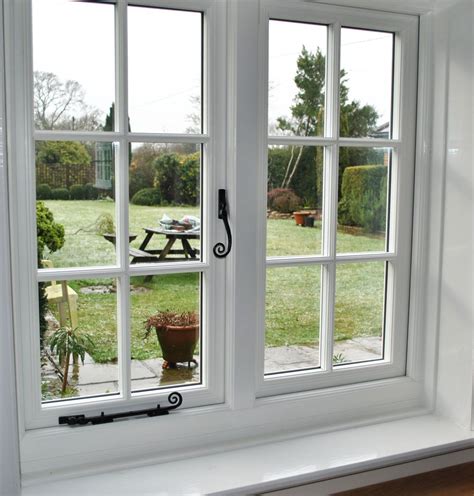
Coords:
pixel 296 78
pixel 165 214
pixel 359 312
pixel 292 318
pixel 164 70
pixel 74 64
pixel 75 211
pixel 165 320
pixel 295 200
pixel 78 316
pixel 364 177
pixel 366 83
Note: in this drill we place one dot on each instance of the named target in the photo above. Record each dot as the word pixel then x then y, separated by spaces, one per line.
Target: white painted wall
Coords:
pixel 452 148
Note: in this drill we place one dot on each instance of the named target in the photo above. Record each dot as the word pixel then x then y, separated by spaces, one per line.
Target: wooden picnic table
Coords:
pixel 143 254
pixel 146 255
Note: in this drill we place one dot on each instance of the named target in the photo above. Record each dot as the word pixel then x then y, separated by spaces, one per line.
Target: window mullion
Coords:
pixel 121 192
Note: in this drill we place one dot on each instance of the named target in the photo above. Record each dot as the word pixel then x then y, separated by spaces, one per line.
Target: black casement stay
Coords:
pixel 220 250
pixel 175 400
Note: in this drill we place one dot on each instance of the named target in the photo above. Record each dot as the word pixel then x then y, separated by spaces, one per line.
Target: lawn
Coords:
pixel 293 294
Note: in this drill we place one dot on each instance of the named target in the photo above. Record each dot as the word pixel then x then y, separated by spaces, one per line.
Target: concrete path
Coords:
pixel 94 378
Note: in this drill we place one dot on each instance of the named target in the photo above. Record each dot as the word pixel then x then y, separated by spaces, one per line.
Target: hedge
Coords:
pixel 60 194
pixel 364 197
pixel 43 192
pixel 147 196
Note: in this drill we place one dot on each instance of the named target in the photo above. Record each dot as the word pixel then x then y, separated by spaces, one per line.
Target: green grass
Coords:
pixel 293 294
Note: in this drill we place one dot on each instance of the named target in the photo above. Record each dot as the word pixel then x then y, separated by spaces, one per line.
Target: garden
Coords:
pixel 76 200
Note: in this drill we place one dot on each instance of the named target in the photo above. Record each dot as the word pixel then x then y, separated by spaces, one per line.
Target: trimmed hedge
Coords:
pixel 364 197
pixel 78 192
pixel 147 196
pixel 60 194
pixel 43 192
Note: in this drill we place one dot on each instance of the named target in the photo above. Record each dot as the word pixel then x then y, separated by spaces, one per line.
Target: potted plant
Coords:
pixel 177 333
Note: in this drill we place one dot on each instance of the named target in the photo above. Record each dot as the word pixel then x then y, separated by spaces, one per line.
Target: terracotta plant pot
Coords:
pixel 300 217
pixel 178 344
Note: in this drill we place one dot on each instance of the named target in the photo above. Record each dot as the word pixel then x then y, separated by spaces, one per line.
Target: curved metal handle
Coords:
pixel 220 251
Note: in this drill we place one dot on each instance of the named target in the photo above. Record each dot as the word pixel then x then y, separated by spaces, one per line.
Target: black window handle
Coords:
pixel 220 250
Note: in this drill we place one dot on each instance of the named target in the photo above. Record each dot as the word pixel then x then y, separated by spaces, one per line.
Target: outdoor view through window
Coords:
pixel 314 306
pixel 81 208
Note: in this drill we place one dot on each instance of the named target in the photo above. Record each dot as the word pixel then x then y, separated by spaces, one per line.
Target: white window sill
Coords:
pixel 277 465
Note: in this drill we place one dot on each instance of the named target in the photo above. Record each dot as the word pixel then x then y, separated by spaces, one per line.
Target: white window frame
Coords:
pixel 402 143
pixel 242 417
pixel 210 391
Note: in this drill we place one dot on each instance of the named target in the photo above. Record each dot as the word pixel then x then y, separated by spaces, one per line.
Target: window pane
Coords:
pixel 164 70
pixel 292 318
pixel 296 79
pixel 366 83
pixel 359 313
pixel 75 184
pixel 165 319
pixel 78 315
pixel 295 200
pixel 74 64
pixel 165 213
pixel 364 178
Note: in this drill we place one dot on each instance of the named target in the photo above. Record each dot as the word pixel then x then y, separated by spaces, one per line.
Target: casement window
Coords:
pixel 304 114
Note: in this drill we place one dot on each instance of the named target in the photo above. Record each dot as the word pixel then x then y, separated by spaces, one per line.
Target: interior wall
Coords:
pixel 452 145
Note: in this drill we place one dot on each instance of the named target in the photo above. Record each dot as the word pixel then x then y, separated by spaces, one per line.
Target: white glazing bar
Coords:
pixel 331 168
pixel 365 257
pixel 121 197
pixel 72 273
pixel 287 261
pixel 300 140
pixel 169 138
pixel 102 136
pixel 167 268
pixel 108 136
pixel 369 143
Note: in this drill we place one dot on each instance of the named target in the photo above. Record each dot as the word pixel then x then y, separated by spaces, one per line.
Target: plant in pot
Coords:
pixel 177 333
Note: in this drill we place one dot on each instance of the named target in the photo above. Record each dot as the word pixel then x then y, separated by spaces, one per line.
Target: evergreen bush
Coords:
pixel 364 197
pixel 43 192
pixel 60 194
pixel 78 192
pixel 147 196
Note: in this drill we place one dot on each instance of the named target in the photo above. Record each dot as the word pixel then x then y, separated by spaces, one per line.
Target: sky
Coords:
pixel 75 41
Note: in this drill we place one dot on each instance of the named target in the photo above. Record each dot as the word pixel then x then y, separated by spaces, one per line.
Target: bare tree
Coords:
pixel 60 104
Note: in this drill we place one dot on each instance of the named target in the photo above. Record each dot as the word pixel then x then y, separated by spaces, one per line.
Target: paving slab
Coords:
pixel 139 371
pixel 94 389
pixel 93 373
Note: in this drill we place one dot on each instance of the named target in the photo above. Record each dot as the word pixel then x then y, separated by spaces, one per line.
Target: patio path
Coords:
pixel 95 378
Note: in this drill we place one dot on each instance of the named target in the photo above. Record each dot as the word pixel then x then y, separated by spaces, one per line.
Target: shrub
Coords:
pixel 43 192
pixel 78 192
pixel 147 196
pixel 283 200
pixel 167 176
pixel 60 194
pixel 364 197
pixel 50 235
pixel 92 193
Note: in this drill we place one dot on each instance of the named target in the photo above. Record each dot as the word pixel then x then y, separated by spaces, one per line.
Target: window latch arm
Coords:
pixel 175 400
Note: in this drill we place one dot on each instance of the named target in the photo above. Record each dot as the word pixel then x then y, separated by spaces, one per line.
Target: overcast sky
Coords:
pixel 76 41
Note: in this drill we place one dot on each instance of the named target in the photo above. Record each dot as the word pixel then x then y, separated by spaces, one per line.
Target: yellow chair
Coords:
pixel 64 297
